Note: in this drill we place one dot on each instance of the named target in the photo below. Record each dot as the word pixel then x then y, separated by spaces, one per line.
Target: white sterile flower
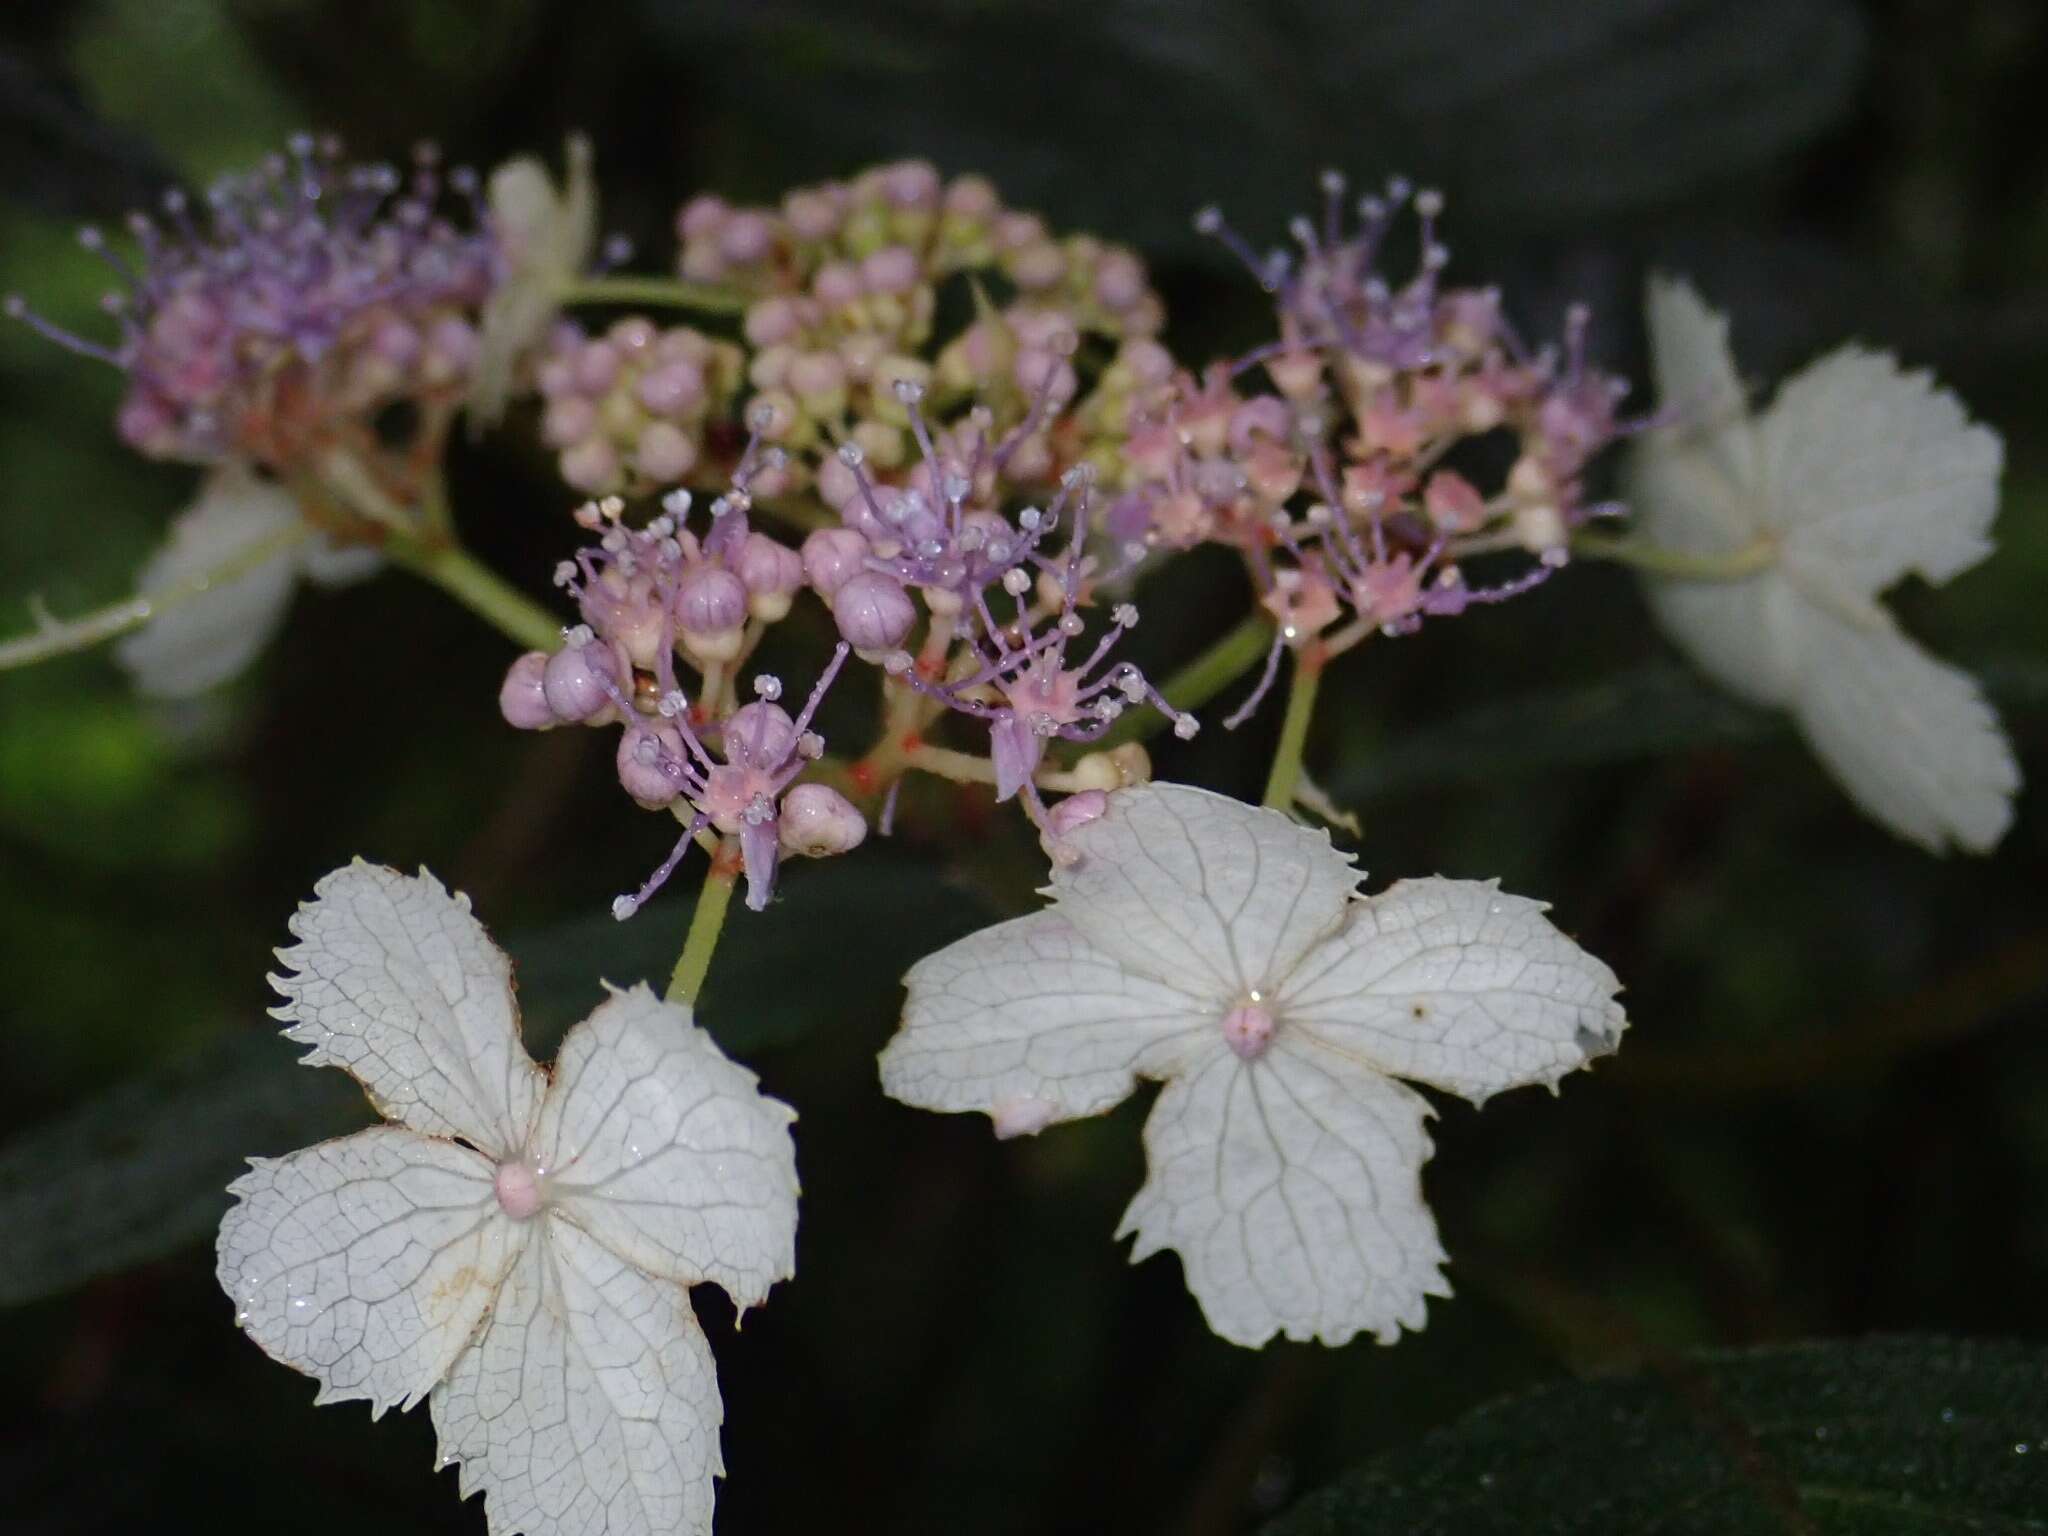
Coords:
pixel 228 570
pixel 517 1244
pixel 1225 949
pixel 1856 476
pixel 546 238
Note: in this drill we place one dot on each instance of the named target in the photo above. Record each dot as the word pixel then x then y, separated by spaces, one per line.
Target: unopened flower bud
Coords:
pixel 710 600
pixel 893 269
pixel 771 571
pixel 591 466
pixel 759 735
pixel 522 697
pixel 832 557
pixel 818 821
pixel 673 389
pixel 873 611
pixel 1077 810
pixel 1119 281
pixel 650 763
pixel 665 453
pixel 573 680
pixel 746 237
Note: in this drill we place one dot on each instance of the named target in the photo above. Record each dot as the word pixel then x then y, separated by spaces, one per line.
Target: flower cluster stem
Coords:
pixel 1735 565
pixel 666 293
pixel 707 922
pixel 479 589
pixel 1282 782
pixel 60 637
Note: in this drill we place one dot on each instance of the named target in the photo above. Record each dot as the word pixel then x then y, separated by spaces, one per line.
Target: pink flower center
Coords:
pixel 1248 1030
pixel 518 1189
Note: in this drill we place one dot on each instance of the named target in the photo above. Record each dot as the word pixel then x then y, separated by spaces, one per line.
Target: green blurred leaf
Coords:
pixel 1894 1435
pixel 1572 108
pixel 143 1170
pixel 1654 710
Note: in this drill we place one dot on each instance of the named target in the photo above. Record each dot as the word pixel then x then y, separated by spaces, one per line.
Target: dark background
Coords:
pixel 1830 1118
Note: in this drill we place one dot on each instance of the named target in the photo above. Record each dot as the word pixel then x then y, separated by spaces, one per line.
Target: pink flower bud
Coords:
pixel 672 389
pixel 1119 281
pixel 650 763
pixel 591 466
pixel 747 237
pixel 523 697
pixel 572 681
pixel 665 453
pixel 633 334
pixel 836 284
pixel 818 821
pixel 1147 362
pixel 597 365
pixel 893 269
pixel 816 374
pixel 767 567
pixel 873 611
pixel 701 216
pixel 832 557
pixel 773 321
pixel 911 184
pixel 1453 502
pixel 812 215
pixel 451 350
pixel 710 601
pixel 1077 811
pixel 1038 266
pixel 1040 372
pixel 395 342
pixel 972 197
pixel 567 421
pixel 758 735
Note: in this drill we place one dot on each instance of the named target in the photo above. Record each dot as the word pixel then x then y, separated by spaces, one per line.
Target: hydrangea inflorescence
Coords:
pixel 897 412
pixel 303 294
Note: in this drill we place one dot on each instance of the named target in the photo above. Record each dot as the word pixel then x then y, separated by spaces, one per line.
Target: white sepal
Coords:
pixel 1291 1187
pixel 1459 985
pixel 395 982
pixel 588 1404
pixel 1182 884
pixel 1030 1023
pixel 1912 740
pixel 209 638
pixel 667 1152
pixel 366 1262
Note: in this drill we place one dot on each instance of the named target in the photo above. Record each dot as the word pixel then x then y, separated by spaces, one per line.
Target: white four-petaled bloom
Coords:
pixel 252 529
pixel 1856 476
pixel 517 1244
pixel 1225 949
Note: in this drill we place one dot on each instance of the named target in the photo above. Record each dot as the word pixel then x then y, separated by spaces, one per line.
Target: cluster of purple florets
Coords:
pixel 294 300
pixel 974 506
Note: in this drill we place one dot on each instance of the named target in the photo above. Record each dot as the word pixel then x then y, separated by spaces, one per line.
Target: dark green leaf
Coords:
pixel 1894 1435
pixel 1571 107
pixel 1656 709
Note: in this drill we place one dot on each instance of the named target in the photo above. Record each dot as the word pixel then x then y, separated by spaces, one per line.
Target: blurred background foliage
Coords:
pixel 1830 1119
